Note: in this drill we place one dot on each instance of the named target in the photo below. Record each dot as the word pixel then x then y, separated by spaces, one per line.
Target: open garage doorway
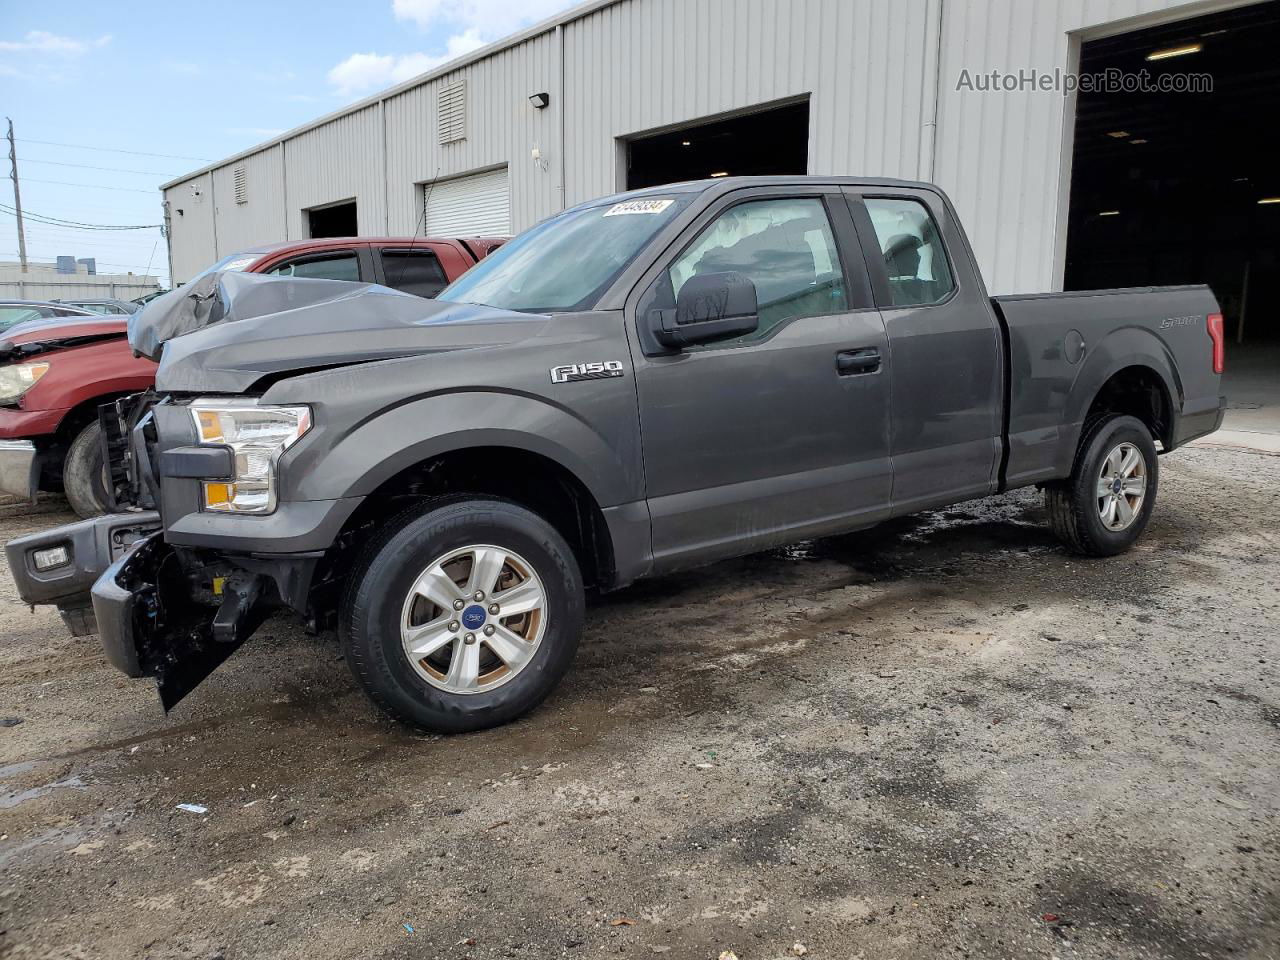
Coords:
pixel 767 141
pixel 1184 187
pixel 334 220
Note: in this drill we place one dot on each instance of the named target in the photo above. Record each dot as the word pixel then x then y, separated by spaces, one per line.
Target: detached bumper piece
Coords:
pixel 60 566
pixel 19 469
pixel 153 624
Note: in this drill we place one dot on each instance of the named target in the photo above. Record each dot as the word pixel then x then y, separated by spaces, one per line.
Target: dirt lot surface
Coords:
pixel 942 738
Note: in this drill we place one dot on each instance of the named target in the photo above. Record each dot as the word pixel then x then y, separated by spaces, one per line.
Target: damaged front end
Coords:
pixel 165 612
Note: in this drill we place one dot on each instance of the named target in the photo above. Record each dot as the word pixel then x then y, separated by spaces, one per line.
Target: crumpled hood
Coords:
pixel 231 330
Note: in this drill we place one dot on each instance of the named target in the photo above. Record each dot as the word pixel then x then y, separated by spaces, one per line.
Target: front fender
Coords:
pixel 360 461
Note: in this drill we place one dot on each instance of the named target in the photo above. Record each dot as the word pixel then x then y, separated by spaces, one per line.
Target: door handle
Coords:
pixel 851 362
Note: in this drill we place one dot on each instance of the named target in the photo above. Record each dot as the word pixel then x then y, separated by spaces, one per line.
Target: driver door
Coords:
pixel 777 435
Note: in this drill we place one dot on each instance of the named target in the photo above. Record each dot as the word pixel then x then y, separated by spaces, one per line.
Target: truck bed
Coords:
pixel 1062 348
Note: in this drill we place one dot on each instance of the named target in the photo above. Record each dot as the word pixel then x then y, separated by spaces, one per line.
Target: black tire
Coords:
pixel 369 622
pixel 1073 504
pixel 84 474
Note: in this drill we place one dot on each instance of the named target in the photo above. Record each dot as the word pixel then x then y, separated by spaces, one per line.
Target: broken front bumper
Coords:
pixel 153 623
pixel 61 565
pixel 19 469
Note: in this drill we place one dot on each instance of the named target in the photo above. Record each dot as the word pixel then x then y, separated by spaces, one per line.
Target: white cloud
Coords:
pixel 474 23
pixel 42 41
pixel 363 72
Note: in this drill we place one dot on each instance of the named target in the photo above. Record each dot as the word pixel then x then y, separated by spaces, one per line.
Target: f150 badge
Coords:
pixel 594 370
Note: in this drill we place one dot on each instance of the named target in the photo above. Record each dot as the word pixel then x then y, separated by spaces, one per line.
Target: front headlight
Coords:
pixel 257 435
pixel 16 379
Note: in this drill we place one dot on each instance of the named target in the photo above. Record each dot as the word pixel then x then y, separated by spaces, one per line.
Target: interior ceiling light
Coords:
pixel 1137 140
pixel 1181 51
pixel 1119 134
pixel 685 143
pixel 1269 200
pixel 1108 213
pixel 721 173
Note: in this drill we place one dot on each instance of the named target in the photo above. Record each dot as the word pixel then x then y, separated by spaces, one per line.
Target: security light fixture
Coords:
pixel 540 100
pixel 1181 51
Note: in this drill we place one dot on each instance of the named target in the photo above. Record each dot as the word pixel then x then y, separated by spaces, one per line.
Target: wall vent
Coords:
pixel 451 112
pixel 241 179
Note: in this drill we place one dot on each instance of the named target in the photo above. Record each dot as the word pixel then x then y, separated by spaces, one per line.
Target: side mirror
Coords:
pixel 710 307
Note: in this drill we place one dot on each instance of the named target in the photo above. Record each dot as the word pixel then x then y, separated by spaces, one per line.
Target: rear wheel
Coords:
pixel 1102 509
pixel 84 473
pixel 463 616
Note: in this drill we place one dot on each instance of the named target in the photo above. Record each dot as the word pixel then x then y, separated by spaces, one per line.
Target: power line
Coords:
pixel 59 222
pixel 86 166
pixel 87 186
pixel 136 153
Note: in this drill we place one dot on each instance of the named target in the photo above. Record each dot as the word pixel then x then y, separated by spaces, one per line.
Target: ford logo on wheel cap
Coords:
pixel 473 617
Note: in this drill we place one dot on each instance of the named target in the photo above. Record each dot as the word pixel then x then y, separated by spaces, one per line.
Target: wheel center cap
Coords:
pixel 1117 485
pixel 473 617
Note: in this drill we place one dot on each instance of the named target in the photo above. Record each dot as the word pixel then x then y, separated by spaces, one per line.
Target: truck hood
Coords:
pixel 56 333
pixel 229 331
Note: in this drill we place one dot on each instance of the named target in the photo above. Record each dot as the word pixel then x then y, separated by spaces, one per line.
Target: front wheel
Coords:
pixel 463 616
pixel 84 473
pixel 1104 506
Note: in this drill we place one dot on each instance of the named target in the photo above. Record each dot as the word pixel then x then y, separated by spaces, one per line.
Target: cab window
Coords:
pixel 414 271
pixel 787 249
pixel 338 266
pixel 914 259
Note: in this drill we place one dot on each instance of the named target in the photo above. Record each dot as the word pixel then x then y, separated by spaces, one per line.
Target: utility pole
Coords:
pixel 17 198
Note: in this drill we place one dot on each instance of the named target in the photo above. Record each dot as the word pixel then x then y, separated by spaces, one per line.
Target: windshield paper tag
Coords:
pixel 239 264
pixel 637 206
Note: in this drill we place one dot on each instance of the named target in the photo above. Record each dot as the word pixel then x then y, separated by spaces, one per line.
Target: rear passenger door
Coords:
pixel 944 348
pixel 354 264
pixel 416 270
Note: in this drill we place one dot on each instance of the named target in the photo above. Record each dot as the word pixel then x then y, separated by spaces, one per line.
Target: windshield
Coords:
pixel 13 315
pixel 566 262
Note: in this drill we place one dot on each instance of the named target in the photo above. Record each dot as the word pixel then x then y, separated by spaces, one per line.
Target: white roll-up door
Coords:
pixel 474 206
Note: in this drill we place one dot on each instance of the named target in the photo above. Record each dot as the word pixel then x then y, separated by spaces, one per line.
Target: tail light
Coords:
pixel 1214 324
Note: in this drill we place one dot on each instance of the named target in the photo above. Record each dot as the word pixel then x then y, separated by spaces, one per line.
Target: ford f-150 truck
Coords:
pixel 639 384
pixel 53 377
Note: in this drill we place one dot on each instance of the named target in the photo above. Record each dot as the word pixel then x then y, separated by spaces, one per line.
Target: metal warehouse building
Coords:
pixel 1056 187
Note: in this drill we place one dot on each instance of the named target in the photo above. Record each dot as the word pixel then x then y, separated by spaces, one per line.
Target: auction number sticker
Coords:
pixel 637 206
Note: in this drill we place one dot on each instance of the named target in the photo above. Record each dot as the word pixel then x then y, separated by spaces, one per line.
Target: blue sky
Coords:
pixel 179 84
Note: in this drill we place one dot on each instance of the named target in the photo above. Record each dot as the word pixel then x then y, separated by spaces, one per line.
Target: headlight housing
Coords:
pixel 257 435
pixel 17 378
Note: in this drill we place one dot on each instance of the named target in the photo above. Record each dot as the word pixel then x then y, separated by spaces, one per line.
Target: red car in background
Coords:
pixel 55 373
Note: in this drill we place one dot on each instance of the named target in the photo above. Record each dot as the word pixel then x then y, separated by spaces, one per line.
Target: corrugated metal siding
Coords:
pixel 640 65
pixel 502 128
pixel 192 246
pixel 1000 155
pixel 340 161
pixel 261 218
pixel 71 290
pixel 474 206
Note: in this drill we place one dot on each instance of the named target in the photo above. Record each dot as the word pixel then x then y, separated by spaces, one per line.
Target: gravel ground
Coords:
pixel 944 737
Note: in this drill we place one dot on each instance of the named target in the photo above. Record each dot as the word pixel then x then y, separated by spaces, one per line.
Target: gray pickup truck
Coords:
pixel 636 385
